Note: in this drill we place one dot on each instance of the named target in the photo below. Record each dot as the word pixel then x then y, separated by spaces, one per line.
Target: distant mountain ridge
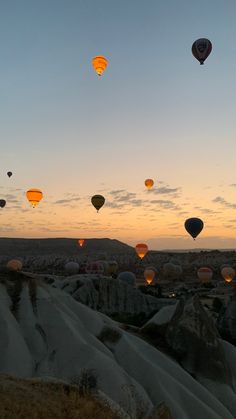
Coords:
pixel 60 246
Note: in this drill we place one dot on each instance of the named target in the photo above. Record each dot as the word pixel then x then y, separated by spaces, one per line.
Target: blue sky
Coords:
pixel 155 112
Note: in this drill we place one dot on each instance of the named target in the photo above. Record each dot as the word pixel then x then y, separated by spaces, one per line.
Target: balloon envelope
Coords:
pixel 205 274
pixel 81 242
pixel 2 203
pixel 141 249
pixel 14 265
pixel 228 273
pixel 96 267
pixel 149 275
pixel 9 174
pixel 201 49
pixel 99 64
pixel 98 201
pixel 128 277
pixel 34 196
pixel 194 226
pixel 72 268
pixel 149 183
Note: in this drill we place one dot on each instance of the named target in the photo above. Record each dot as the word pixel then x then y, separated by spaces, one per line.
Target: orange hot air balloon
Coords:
pixel 149 275
pixel 228 273
pixel 99 64
pixel 149 183
pixel 141 249
pixel 34 196
pixel 81 242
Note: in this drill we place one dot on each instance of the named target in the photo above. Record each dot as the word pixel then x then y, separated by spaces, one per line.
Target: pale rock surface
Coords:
pixel 46 333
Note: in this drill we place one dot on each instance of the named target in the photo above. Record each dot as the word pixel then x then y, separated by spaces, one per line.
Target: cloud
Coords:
pixel 167 204
pixel 11 198
pixel 117 191
pixel 165 190
pixel 223 202
pixel 67 201
pixel 233 184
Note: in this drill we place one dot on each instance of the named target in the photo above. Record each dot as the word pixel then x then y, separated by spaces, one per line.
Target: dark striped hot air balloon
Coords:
pixel 201 49
pixel 194 226
pixel 98 201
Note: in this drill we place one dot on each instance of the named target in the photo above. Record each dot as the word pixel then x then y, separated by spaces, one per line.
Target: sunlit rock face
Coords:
pixel 227 322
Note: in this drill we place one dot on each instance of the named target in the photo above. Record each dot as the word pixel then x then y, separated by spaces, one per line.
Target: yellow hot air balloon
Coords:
pixel 99 64
pixel 81 242
pixel 228 273
pixel 98 201
pixel 149 275
pixel 149 183
pixel 141 249
pixel 34 196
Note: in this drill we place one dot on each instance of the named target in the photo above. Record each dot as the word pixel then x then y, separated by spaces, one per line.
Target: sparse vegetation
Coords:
pixel 86 382
pixel 34 399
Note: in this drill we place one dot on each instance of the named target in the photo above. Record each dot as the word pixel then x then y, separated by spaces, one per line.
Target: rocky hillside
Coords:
pixel 46 333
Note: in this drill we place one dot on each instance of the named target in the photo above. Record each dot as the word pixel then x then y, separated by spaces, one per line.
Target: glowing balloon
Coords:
pixel 201 49
pixel 194 226
pixel 149 183
pixel 141 249
pixel 228 273
pixel 98 201
pixel 34 196
pixel 14 265
pixel 99 64
pixel 9 174
pixel 205 274
pixel 149 275
pixel 2 203
pixel 81 242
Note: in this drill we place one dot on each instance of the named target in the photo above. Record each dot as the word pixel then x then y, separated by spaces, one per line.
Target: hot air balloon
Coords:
pixel 128 277
pixel 14 265
pixel 205 274
pixel 112 267
pixel 99 64
pixel 194 226
pixel 95 267
pixel 201 49
pixel 228 273
pixel 141 249
pixel 34 196
pixel 2 203
pixel 98 201
pixel 9 174
pixel 172 271
pixel 81 242
pixel 149 183
pixel 149 275
pixel 71 268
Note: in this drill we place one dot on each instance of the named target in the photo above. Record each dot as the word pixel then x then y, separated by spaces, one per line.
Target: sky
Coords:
pixel 154 113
